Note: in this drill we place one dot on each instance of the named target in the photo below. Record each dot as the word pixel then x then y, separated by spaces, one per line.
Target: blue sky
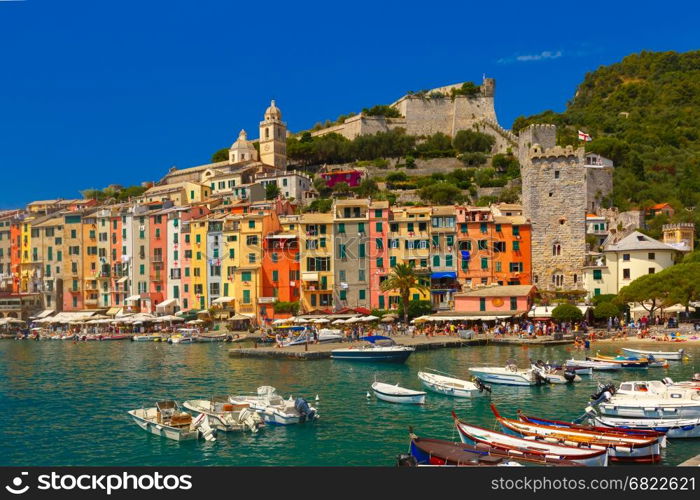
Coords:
pixel 100 92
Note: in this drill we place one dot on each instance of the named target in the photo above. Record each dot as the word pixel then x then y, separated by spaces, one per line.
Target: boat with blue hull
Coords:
pixel 378 348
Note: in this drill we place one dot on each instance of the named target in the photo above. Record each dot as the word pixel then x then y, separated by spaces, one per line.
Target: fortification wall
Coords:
pixel 543 134
pixel 599 184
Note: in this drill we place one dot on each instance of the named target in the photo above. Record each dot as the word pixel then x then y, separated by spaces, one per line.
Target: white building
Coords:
pixel 291 184
pixel 623 262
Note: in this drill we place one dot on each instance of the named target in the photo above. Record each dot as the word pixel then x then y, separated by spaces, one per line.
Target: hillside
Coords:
pixel 644 114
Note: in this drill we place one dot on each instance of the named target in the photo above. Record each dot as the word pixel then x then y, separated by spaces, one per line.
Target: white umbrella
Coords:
pixel 195 322
pixel 338 322
pixel 300 320
pixel 356 319
pixel 370 318
pixel 281 321
pixel 322 320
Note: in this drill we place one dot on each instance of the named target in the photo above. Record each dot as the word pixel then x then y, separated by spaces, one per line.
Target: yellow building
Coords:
pixel 198 263
pixel 90 261
pixel 409 243
pixel 180 194
pixel 317 254
pixel 47 246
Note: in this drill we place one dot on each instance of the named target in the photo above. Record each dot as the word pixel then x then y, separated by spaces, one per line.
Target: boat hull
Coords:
pixel 503 378
pixel 443 387
pixel 649 410
pixel 673 356
pixel 371 355
pixel 163 430
pixel 674 429
pixel 402 397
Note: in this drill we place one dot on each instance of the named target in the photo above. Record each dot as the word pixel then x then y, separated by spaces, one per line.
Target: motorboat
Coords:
pixel 473 435
pixel 670 355
pixel 397 394
pixel 595 365
pixel 225 416
pixel 623 361
pixel 210 337
pixel 553 375
pixel 509 374
pixel 183 336
pixel 452 386
pixel 673 428
pixel 651 399
pixel 145 337
pixel 620 448
pixel 577 369
pixel 378 348
pixel 274 409
pixel 166 419
pixel 324 335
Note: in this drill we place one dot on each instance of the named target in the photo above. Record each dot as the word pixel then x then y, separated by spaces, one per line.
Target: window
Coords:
pixel 246 296
pixel 498 228
pixel 231 253
pixel 377 213
pixel 436 261
pixel 342 251
pixel 516 230
pixel 361 227
pixel 513 303
pixel 556 174
pixel 378 227
pixel 393 227
pixel 362 293
pixel 484 227
pixel 499 246
pixel 652 270
pixel 142 269
pixel 498 266
pixel 449 240
pixel 251 224
pixel 380 262
pixel 361 275
pixel 596 291
pixel 652 256
pixel 392 261
pixel 251 258
pixel 275 276
pixel 482 303
pixel 341 228
pixel 343 294
pixel 516 246
pixel 516 267
pixel 483 244
pixel 484 263
pixel 448 261
pixel 251 240
pixel 597 274
pixel 274 257
pixel 626 257
pixel 380 244
pixel 625 274
pixel 436 240
pixel 463 227
pixel 361 248
pixel 245 276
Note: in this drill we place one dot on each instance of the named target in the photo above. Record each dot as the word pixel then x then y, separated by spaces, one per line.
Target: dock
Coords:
pixel 691 462
pixel 421 343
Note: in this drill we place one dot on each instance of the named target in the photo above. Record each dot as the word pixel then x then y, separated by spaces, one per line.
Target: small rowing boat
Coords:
pixel 595 365
pixel 623 361
pixel 670 355
pixel 673 428
pixel 397 394
pixel 471 434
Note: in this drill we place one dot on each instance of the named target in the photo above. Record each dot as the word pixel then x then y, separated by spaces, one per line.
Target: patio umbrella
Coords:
pixel 300 320
pixel 370 318
pixel 388 319
pixel 195 322
pixel 338 322
pixel 281 321
pixel 322 320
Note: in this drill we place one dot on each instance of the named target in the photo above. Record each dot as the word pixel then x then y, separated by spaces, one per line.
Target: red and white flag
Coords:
pixel 582 136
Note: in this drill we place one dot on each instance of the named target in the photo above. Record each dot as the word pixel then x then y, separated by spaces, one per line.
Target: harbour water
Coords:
pixel 65 403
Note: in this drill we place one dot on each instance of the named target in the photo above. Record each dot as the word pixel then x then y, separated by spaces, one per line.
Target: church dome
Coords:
pixel 273 112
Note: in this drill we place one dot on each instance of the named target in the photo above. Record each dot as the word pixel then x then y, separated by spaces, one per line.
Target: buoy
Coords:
pixel 368 395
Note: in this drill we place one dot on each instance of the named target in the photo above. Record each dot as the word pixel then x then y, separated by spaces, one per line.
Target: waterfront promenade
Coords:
pixel 421 343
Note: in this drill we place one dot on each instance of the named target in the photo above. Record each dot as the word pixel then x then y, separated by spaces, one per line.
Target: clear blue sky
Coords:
pixel 94 92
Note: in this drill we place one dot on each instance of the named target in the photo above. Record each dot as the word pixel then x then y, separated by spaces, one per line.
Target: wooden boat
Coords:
pixel 424 451
pixel 623 431
pixel 210 337
pixel 595 365
pixel 167 420
pixel 452 386
pixel 225 416
pixel 620 448
pixel 670 355
pixel 397 394
pixel 471 434
pixel 379 348
pixel 120 336
pixel 623 361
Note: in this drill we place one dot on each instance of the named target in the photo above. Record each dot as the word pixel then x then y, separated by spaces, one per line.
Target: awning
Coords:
pixel 166 303
pixel 113 311
pixel 132 298
pixel 223 300
pixel 122 280
pixel 444 274
pixel 43 314
pixel 309 276
pixel 546 311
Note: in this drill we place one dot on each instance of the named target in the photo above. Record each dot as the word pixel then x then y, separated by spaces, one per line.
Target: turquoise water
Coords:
pixel 66 403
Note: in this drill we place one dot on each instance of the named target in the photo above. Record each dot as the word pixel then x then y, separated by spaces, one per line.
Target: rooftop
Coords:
pixel 498 291
pixel 638 241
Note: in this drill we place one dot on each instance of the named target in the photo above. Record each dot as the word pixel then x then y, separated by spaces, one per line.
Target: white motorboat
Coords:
pixel 397 394
pixel 674 428
pixel 596 365
pixel 166 419
pixel 274 409
pixel 507 375
pixel 225 416
pixel 569 366
pixel 553 375
pixel 452 386
pixel 145 338
pixel 378 348
pixel 652 400
pixel 670 355
pixel 325 335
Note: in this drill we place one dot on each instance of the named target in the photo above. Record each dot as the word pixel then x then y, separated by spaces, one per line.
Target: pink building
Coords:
pixel 158 244
pixel 378 231
pixel 510 300
pixel 351 177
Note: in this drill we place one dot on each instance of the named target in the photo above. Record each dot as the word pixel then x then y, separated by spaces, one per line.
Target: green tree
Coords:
pixel 441 193
pixel 471 141
pixel 567 312
pixel 341 188
pixel 368 187
pixel 403 279
pixel 220 155
pixel 650 291
pixel 272 191
pixel 606 310
pixel 417 308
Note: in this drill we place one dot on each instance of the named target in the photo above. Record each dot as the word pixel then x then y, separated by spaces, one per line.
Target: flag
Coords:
pixel 582 136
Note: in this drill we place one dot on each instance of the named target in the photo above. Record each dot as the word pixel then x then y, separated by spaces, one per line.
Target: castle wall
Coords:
pixel 544 135
pixel 554 197
pixel 599 184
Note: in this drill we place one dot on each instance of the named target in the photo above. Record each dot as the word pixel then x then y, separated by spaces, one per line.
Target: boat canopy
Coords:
pixel 374 338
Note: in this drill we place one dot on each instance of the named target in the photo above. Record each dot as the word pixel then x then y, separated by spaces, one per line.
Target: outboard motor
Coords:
pixel 406 460
pixel 570 376
pixel 305 411
pixel 481 386
pixel 667 380
pixel 605 393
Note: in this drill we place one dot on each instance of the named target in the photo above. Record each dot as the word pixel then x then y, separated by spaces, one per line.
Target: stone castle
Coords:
pixel 435 111
pixel 560 185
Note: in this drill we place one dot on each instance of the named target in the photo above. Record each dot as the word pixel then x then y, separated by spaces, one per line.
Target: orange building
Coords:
pixel 280 273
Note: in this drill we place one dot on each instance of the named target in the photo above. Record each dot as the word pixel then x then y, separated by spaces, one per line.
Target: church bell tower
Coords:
pixel 273 138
